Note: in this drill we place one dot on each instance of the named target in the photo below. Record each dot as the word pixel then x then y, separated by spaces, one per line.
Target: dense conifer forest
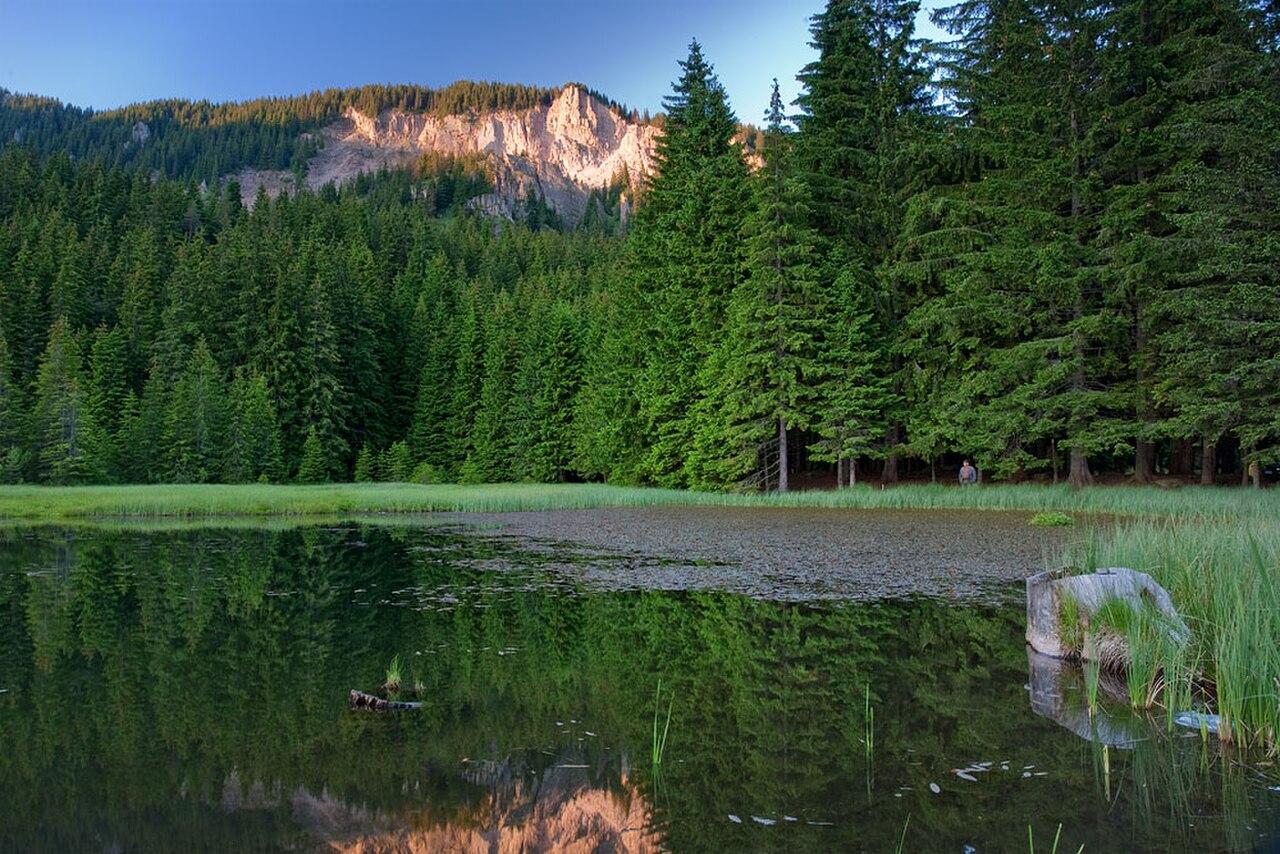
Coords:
pixel 1051 244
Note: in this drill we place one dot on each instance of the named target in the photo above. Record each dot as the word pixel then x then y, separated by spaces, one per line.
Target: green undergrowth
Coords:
pixel 1224 579
pixel 182 500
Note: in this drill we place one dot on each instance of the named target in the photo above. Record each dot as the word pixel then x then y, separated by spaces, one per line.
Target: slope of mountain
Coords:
pixel 558 152
pixel 557 146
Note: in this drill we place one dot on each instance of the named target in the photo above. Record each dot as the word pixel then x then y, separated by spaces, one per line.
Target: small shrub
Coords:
pixel 426 473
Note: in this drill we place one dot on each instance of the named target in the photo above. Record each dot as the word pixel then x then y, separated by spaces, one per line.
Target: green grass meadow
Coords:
pixel 191 500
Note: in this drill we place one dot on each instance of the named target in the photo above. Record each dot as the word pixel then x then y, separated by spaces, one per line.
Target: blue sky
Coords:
pixel 104 53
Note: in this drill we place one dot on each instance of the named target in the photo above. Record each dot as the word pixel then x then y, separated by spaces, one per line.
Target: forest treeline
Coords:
pixel 1051 244
pixel 205 141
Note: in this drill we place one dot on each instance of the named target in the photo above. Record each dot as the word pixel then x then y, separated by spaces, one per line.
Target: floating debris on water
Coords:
pixel 1197 720
pixel 733 818
pixel 935 788
pixel 765 821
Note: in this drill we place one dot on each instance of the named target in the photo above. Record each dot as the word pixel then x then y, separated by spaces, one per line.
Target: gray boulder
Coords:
pixel 1048 592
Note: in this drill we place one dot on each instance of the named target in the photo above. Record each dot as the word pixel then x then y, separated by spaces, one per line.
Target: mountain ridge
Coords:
pixel 555 145
pixel 557 152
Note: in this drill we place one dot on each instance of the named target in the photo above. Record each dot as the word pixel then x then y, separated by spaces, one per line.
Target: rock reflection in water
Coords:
pixel 1058 691
pixel 560 809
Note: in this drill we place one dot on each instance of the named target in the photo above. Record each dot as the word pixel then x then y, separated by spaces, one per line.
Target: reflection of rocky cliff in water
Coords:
pixel 560 809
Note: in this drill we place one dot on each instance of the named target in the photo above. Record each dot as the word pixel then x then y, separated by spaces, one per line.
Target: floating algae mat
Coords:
pixel 837 681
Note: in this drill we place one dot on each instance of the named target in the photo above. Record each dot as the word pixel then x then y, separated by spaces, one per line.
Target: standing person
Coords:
pixel 968 474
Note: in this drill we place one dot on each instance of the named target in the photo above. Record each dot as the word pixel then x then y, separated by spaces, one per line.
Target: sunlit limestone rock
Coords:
pixel 559 151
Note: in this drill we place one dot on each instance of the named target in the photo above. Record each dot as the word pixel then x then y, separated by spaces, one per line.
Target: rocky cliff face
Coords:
pixel 560 151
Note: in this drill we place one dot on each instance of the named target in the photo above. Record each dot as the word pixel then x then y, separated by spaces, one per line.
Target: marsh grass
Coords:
pixel 1052 519
pixel 193 500
pixel 394 675
pixel 659 747
pixel 1224 578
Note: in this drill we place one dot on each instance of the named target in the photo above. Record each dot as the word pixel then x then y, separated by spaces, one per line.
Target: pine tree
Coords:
pixel 253 435
pixel 686 260
pixel 13 456
pixel 69 444
pixel 491 449
pixel 364 470
pixel 854 395
pixel 196 420
pixel 314 464
pixel 1011 247
pixel 429 432
pixel 1191 153
pixel 140 451
pixel 547 380
pixel 762 385
pixel 396 463
pixel 865 108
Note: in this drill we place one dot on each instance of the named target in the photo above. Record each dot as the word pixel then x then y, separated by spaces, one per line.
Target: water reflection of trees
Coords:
pixel 144 671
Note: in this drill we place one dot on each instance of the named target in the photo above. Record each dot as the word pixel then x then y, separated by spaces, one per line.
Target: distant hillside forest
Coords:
pixel 1051 244
pixel 203 141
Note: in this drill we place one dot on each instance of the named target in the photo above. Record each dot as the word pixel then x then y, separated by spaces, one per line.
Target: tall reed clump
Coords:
pixel 1224 578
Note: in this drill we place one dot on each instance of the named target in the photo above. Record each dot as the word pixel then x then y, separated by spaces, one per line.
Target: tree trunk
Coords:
pixel 782 455
pixel 890 472
pixel 1209 463
pixel 1143 461
pixel 1181 461
pixel 853 471
pixel 1080 474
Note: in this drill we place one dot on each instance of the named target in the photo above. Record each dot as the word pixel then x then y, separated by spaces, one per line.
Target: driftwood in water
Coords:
pixel 361 700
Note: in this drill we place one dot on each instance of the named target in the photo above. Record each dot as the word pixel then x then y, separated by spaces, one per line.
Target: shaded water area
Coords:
pixel 186 688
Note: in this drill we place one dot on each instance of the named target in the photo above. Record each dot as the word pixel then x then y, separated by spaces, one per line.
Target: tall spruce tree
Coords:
pixel 686 259
pixel 195 424
pixel 762 386
pixel 253 435
pixel 1029 340
pixel 865 110
pixel 13 454
pixel 68 442
pixel 1200 214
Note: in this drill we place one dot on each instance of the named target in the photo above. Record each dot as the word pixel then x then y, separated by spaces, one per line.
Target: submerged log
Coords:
pixel 361 700
pixel 1083 596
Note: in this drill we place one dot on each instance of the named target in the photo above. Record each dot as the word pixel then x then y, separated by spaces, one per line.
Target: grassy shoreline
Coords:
pixel 1224 579
pixel 194 500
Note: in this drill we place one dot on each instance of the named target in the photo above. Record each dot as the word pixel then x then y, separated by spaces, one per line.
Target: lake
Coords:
pixel 832 679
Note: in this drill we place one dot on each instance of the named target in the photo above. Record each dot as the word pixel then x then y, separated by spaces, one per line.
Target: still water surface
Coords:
pixel 187 689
